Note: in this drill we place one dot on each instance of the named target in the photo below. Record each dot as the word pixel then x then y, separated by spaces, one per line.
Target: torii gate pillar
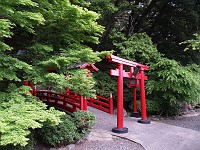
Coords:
pixel 143 99
pixel 120 103
pixel 120 73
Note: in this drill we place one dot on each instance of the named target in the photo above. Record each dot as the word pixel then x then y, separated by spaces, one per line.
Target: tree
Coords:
pixel 193 44
pixel 35 36
pixel 167 22
pixel 150 32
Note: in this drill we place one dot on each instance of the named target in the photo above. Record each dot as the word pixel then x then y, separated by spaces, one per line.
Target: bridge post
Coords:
pixel 111 104
pixel 85 103
pixel 81 103
pixel 34 91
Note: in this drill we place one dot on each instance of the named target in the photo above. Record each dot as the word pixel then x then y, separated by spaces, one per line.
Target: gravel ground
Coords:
pixel 117 144
pixel 187 121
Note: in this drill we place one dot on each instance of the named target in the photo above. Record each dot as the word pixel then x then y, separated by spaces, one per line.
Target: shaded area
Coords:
pixel 185 122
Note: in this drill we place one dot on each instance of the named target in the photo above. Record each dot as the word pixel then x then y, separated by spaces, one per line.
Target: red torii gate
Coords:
pixel 132 74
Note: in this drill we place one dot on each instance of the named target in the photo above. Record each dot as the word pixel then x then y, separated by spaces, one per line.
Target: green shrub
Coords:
pixel 63 133
pixel 20 114
pixel 84 120
pixel 170 84
pixel 105 84
pixel 152 107
pixel 72 128
pixel 29 146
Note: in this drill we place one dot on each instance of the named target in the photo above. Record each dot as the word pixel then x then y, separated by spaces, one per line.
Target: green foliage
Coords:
pixel 84 120
pixel 19 114
pixel 71 128
pixel 81 3
pixel 64 132
pixel 72 26
pixel 14 11
pixel 29 146
pixel 34 36
pixel 103 7
pixel 193 44
pixel 153 107
pixel 87 83
pixel 171 83
pixel 137 47
pixel 105 84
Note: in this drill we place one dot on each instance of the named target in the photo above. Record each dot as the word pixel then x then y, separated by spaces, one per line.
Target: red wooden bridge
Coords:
pixel 70 101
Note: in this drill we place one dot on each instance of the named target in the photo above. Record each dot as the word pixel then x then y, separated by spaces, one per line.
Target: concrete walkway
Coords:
pixel 154 136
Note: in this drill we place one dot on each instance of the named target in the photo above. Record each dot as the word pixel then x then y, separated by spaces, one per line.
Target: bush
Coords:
pixel 171 84
pixel 72 128
pixel 29 146
pixel 84 120
pixel 20 114
pixel 152 107
pixel 61 134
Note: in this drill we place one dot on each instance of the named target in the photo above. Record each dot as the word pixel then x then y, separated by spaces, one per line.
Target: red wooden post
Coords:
pixel 135 113
pixel 48 97
pixel 120 116
pixel 111 104
pixel 120 107
pixel 81 103
pixel 143 99
pixel 34 91
pixel 61 95
pixel 85 103
pixel 67 91
pixel 31 86
pixel 26 82
pixel 134 99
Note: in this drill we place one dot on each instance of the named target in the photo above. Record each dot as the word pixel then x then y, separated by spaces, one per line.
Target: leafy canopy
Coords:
pixel 35 35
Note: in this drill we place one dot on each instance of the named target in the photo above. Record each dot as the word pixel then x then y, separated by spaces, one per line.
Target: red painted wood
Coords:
pixel 111 104
pixel 120 98
pixel 75 101
pixel 100 108
pixel 102 98
pixel 68 103
pixel 142 96
pixel 119 60
pixel 98 102
pixel 132 74
pixel 134 100
pixel 115 72
pixel 101 103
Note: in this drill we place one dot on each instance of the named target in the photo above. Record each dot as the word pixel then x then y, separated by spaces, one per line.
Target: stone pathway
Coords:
pixel 154 136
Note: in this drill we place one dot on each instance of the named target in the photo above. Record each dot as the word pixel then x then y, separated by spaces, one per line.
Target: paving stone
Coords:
pixel 99 136
pixel 70 146
pixel 52 149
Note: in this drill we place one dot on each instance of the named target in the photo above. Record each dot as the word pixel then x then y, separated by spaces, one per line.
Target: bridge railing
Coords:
pixel 101 103
pixel 61 101
pixel 70 101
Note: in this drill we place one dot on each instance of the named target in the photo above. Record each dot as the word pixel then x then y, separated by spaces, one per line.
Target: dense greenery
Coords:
pixel 167 22
pixel 56 34
pixel 33 37
pixel 72 128
pixel 159 34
